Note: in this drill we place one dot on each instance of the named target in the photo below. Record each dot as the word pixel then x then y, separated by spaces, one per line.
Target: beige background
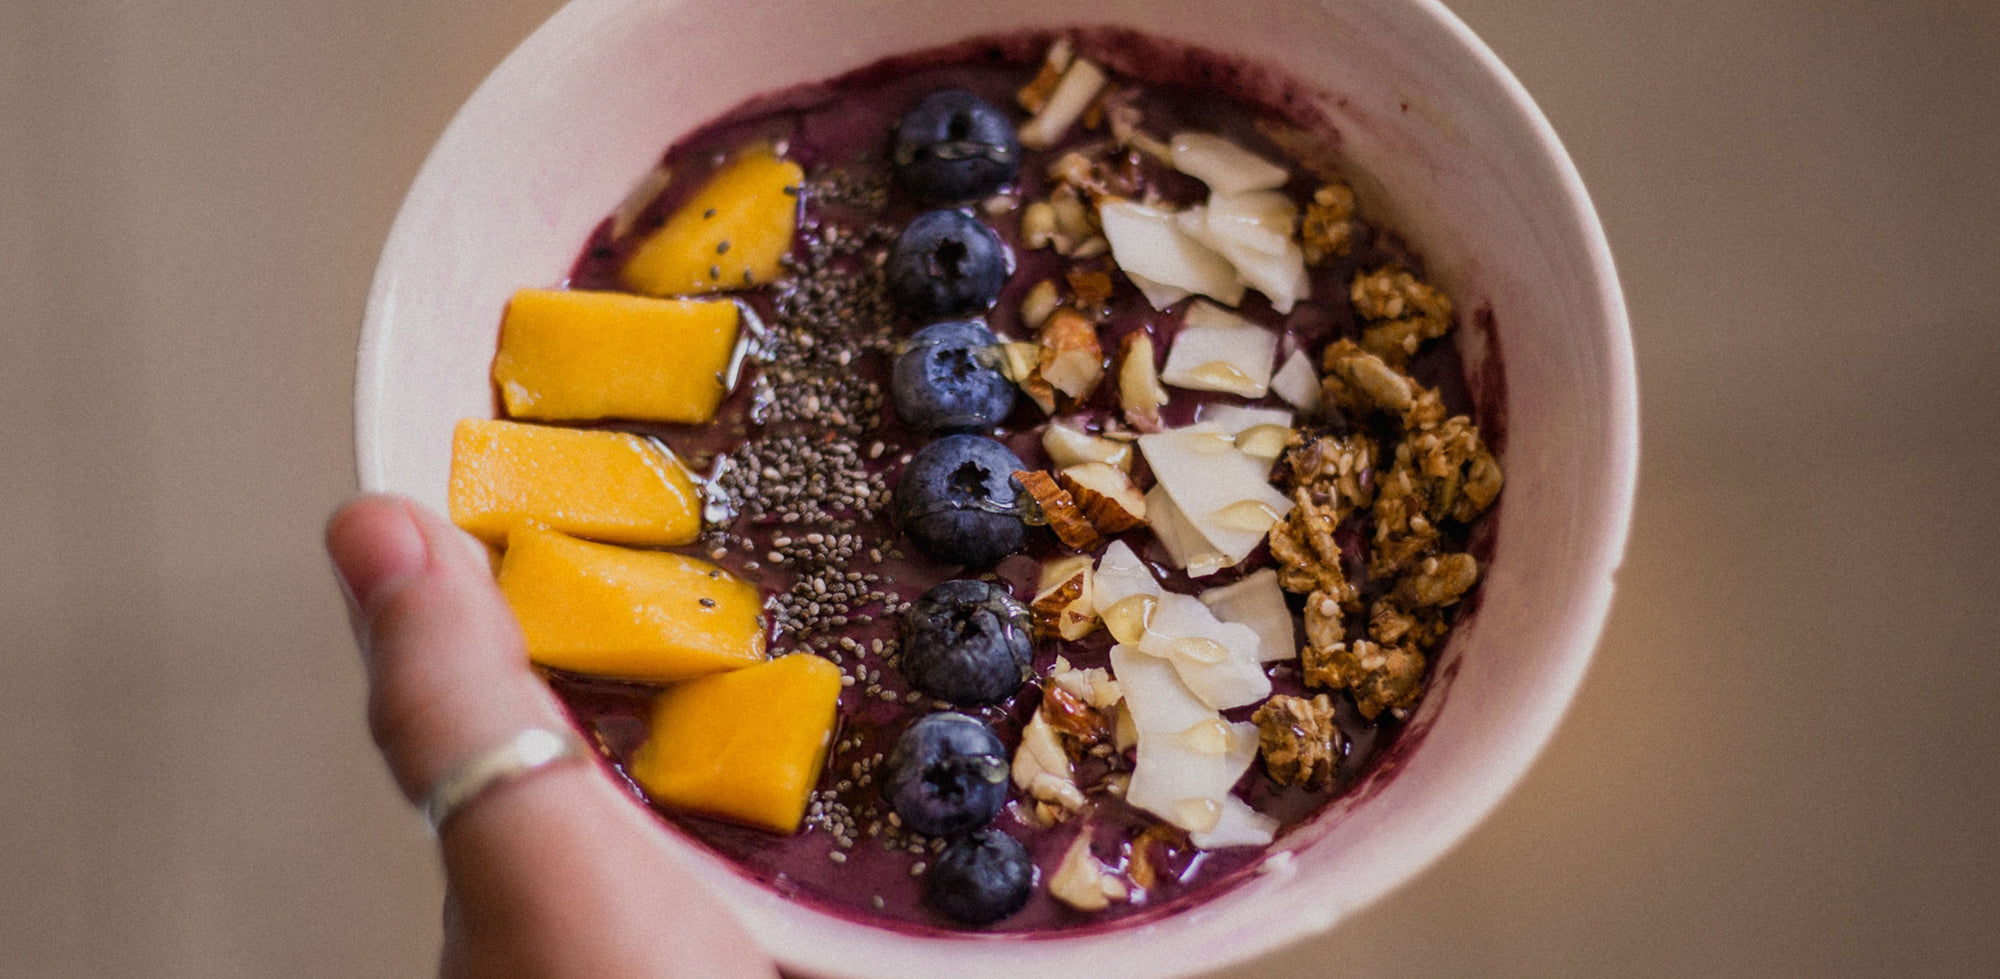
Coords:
pixel 1784 761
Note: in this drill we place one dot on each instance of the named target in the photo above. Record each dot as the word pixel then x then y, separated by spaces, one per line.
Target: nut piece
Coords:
pixel 1298 740
pixel 1071 358
pixel 1064 605
pixel 1084 883
pixel 1140 393
pixel 1060 509
pixel 1106 495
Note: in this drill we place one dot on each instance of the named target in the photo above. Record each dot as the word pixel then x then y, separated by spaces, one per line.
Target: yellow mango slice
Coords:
pixel 609 486
pixel 729 235
pixel 578 356
pixel 616 612
pixel 745 746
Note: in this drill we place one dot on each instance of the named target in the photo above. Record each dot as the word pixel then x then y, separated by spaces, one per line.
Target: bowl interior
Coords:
pixel 1446 148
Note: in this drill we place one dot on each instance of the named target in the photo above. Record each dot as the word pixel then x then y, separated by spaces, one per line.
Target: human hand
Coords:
pixel 555 873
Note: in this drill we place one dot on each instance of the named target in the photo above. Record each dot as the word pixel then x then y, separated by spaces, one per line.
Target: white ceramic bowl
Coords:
pixel 1432 125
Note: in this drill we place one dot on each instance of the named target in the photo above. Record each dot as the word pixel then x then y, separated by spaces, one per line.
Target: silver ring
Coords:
pixel 529 750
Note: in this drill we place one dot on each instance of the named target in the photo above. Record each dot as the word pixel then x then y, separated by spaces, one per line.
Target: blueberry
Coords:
pixel 981 878
pixel 967 642
pixel 947 379
pixel 957 499
pixel 946 263
pixel 954 147
pixel 947 774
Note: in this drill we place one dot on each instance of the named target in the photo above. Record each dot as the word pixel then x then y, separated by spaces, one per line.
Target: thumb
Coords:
pixel 448 673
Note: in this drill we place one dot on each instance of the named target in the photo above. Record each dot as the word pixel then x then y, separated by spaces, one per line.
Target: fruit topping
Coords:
pixel 957 500
pixel 650 616
pixel 947 774
pixel 1224 492
pixel 946 263
pixel 967 642
pixel 730 235
pixel 745 746
pixel 608 486
pixel 1220 351
pixel 947 379
pixel 1225 167
pixel 1298 383
pixel 953 147
pixel 981 878
pixel 1162 259
pixel 579 356
pixel 1257 601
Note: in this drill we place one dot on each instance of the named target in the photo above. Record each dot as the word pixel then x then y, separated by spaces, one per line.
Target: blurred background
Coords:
pixel 1785 760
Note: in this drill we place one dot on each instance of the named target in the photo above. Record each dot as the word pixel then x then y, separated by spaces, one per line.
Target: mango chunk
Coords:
pixel 579 356
pixel 608 486
pixel 625 614
pixel 745 746
pixel 729 235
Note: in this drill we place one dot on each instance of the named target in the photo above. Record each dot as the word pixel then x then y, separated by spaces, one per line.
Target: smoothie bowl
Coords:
pixel 1139 490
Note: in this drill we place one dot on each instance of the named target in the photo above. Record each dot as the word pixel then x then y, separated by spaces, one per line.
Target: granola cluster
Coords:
pixel 1298 739
pixel 1439 470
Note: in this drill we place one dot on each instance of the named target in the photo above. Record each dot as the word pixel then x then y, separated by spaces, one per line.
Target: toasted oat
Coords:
pixel 1298 739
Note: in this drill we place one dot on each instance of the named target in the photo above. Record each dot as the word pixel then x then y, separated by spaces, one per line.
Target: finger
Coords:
pixel 448 672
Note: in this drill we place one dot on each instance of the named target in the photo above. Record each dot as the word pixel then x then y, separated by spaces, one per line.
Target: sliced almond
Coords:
pixel 1106 495
pixel 1064 516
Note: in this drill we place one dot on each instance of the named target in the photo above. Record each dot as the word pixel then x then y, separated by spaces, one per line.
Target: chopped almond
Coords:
pixel 1064 516
pixel 1106 496
pixel 1089 288
pixel 1063 605
pixel 1072 361
pixel 1139 390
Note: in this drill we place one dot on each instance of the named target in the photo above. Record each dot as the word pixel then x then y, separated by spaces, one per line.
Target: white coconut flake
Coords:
pixel 1258 602
pixel 1297 382
pixel 1239 825
pixel 1234 419
pixel 1216 351
pixel 1224 166
pixel 1149 245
